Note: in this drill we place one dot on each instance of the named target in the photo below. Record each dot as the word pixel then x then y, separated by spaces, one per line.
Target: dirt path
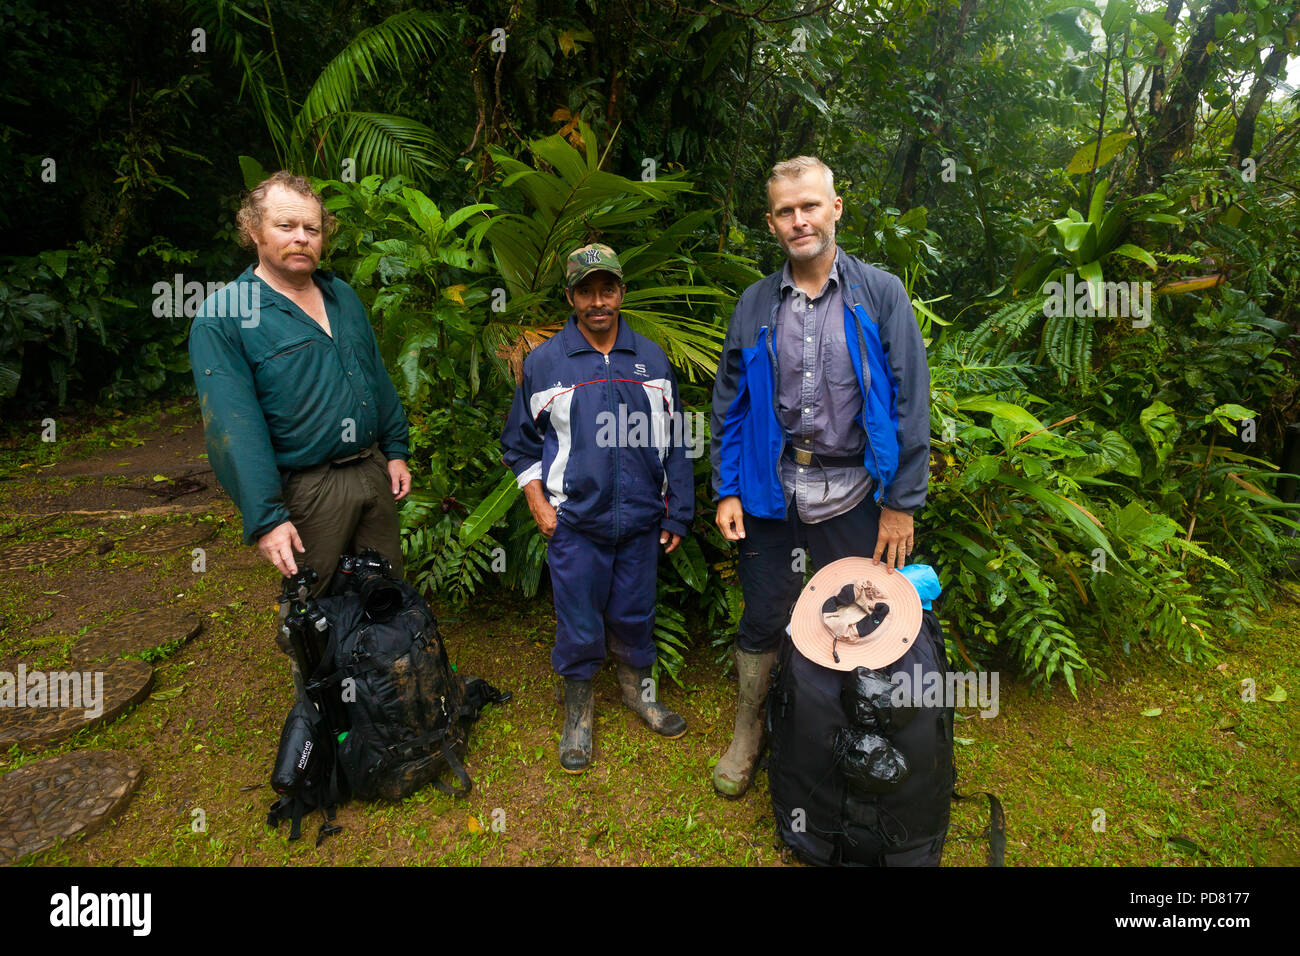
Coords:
pixel 123 478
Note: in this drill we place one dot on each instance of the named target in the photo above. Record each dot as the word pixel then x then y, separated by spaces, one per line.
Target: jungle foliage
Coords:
pixel 1102 471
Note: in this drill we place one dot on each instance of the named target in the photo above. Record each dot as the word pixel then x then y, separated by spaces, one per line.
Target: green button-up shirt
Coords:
pixel 278 392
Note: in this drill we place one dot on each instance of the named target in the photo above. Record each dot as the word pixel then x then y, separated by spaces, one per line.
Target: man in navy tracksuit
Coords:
pixel 821 430
pixel 594 440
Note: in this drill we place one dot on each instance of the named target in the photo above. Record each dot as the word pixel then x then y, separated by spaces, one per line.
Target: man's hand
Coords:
pixel 278 545
pixel 894 538
pixel 731 518
pixel 401 478
pixel 542 511
pixel 670 538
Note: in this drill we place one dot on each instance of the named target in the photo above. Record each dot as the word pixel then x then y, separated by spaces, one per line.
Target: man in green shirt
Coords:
pixel 304 428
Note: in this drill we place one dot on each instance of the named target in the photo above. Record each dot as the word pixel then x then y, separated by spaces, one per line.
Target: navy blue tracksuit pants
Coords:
pixel 602 591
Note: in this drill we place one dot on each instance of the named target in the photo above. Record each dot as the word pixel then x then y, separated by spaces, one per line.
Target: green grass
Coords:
pixel 1228 795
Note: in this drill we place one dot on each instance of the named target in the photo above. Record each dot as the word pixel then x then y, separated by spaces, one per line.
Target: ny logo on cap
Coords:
pixel 592 256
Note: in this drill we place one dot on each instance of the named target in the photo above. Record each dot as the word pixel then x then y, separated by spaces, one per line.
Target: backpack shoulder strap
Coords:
pixel 287 808
pixel 996 831
pixel 478 694
pixel 457 768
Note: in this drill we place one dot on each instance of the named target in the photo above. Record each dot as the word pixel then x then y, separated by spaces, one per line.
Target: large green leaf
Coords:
pixel 404 37
pixel 490 510
pixel 1062 508
pixel 1033 277
pixel 1098 203
pixel 1161 427
pixel 688 560
pixel 1067 25
pixel 1091 273
pixel 9 378
pixel 424 212
pixel 1022 419
pixel 383 143
pixel 252 171
pixel 1135 526
pixel 1111 145
pixel 1077 240
pixel 1135 252
pixel 1228 415
pixel 1116 455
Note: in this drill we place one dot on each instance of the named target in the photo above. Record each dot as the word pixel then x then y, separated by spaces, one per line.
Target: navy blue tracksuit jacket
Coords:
pixel 604 435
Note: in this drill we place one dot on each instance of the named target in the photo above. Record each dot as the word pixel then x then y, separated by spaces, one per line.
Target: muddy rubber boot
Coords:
pixel 640 694
pixel 733 773
pixel 579 708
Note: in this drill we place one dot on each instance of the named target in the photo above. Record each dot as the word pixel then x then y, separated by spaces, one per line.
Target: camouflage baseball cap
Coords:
pixel 594 257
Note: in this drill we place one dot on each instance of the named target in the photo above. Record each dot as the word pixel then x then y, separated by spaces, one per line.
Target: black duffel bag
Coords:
pixel 852 783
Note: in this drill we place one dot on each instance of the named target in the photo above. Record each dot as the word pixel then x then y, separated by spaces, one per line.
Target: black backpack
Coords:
pixel 391 714
pixel 854 782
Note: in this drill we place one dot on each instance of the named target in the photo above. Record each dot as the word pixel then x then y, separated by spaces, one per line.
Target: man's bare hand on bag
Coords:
pixel 894 539
pixel 278 545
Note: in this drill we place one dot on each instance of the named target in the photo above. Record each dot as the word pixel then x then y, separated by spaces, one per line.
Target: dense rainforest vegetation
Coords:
pixel 1093 208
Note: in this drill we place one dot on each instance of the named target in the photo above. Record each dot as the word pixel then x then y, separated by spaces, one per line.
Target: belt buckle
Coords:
pixel 803 456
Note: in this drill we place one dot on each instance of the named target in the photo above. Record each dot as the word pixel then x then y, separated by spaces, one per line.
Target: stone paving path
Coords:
pixel 76 793
pixel 59 798
pixel 173 536
pixel 36 553
pixel 136 632
pixel 108 690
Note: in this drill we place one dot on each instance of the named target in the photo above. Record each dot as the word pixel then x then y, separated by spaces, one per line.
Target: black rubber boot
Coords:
pixel 579 709
pixel 640 693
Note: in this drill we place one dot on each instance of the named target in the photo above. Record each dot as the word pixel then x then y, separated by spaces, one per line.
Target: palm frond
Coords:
pixel 383 143
pixel 410 34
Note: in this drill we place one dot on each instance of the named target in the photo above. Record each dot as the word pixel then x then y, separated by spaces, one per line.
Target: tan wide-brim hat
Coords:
pixel 839 600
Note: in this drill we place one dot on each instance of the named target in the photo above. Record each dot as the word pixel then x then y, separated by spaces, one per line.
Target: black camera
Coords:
pixel 370 574
pixel 368 561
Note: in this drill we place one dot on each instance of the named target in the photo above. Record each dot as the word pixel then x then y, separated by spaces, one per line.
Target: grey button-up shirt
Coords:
pixel 818 398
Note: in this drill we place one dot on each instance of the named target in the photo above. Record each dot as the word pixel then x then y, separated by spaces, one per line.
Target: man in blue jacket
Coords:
pixel 820 429
pixel 594 441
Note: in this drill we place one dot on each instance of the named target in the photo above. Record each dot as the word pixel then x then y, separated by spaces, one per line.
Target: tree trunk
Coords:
pixel 1172 11
pixel 1175 123
pixel 941 64
pixel 1243 139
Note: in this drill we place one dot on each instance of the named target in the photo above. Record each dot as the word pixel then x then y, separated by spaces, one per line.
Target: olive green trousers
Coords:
pixel 340 508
